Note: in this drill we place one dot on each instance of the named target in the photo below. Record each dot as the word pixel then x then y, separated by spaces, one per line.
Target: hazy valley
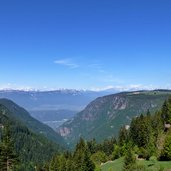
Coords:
pixel 52 107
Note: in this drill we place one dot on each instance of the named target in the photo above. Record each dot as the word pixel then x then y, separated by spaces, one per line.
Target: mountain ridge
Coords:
pixel 22 115
pixel 103 117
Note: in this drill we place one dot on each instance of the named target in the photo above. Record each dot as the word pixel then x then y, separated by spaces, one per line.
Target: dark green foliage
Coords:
pixel 166 153
pixel 116 152
pixel 82 157
pixel 20 114
pixel 150 133
pixel 122 142
pixel 32 149
pixel 130 159
pixel 99 157
pixel 123 136
pixel 8 157
pixel 78 161
pixel 157 124
pixel 92 146
pixel 62 163
pixel 142 133
pixel 166 111
pixel 107 146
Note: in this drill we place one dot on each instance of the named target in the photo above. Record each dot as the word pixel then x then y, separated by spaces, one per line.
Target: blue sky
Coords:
pixel 85 44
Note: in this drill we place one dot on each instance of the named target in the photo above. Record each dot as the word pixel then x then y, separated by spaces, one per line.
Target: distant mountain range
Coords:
pixel 52 107
pixel 103 117
pixel 51 100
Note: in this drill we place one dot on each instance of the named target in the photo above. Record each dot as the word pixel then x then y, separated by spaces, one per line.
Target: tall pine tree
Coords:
pixel 8 158
pixel 82 157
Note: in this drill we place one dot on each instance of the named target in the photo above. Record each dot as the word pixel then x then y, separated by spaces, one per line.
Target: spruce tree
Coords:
pixel 82 157
pixel 165 113
pixel 123 136
pixel 166 153
pixel 130 159
pixel 54 164
pixel 8 158
pixel 169 111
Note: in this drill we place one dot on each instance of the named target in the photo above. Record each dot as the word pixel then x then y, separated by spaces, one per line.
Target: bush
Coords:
pixel 116 153
pixel 99 157
pixel 166 153
pixel 143 153
pixel 153 158
pixel 130 159
pixel 138 167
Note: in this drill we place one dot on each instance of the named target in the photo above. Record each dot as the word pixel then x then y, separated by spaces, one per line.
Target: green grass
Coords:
pixel 117 165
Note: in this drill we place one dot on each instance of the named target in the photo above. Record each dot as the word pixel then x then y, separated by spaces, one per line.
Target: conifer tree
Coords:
pixel 8 158
pixel 130 160
pixel 92 146
pixel 164 112
pixel 82 157
pixel 123 136
pixel 166 153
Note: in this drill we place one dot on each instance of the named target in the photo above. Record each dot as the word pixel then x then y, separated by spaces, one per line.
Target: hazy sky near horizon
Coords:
pixel 91 44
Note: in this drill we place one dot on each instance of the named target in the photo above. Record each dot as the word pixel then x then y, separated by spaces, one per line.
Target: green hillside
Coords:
pixel 104 116
pixel 32 148
pixel 117 165
pixel 34 125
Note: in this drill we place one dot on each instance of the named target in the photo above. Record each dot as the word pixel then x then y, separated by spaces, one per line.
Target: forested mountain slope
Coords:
pixel 103 117
pixel 32 149
pixel 34 125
